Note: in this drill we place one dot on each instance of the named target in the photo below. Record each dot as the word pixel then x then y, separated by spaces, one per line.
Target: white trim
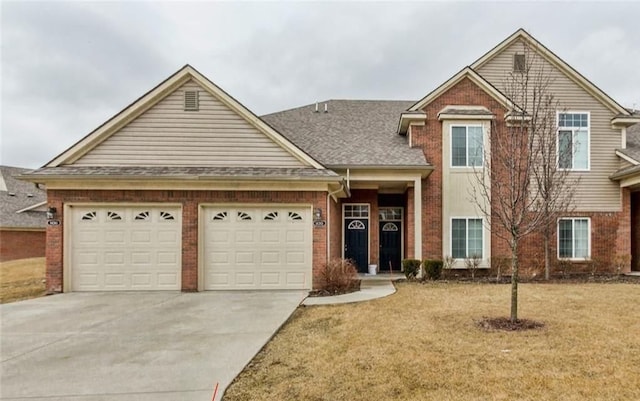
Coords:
pixel 368 205
pixel 623 138
pixel 408 119
pixel 617 122
pixel 32 207
pixel 465 117
pixel 627 158
pixel 466 72
pixel 467 218
pixel 417 215
pixel 573 131
pixel 573 219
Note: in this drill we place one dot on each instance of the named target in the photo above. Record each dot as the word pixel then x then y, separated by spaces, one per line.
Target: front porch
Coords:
pixel 380 222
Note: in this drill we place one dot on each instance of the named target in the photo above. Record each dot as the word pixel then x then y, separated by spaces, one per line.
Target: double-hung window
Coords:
pixel 573 141
pixel 466 146
pixel 573 238
pixel 466 238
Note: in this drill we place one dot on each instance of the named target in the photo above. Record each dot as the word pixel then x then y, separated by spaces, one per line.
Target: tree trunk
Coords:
pixel 514 281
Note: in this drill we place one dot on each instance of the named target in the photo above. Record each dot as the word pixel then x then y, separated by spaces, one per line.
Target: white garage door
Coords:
pixel 125 248
pixel 267 247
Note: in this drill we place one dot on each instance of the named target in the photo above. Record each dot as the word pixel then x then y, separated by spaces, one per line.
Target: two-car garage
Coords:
pixel 139 247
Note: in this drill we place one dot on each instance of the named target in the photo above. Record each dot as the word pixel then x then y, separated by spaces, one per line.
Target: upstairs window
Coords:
pixel 573 238
pixel 466 146
pixel 573 141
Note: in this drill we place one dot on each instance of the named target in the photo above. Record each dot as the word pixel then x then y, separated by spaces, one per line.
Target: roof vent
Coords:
pixel 316 107
pixel 11 194
pixel 29 195
pixel 326 107
pixel 191 101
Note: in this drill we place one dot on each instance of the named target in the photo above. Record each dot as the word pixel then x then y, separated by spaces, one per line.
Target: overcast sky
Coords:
pixel 69 66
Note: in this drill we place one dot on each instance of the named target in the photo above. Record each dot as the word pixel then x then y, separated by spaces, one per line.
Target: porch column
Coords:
pixel 417 216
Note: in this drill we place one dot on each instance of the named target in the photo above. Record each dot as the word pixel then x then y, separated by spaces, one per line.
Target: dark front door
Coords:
pixel 390 245
pixel 356 242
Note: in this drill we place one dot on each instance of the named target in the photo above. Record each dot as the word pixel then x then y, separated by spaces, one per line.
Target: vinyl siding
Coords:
pixel 169 136
pixel 595 191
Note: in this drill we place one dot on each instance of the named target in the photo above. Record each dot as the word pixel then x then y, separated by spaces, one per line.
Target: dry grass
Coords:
pixel 22 279
pixel 422 344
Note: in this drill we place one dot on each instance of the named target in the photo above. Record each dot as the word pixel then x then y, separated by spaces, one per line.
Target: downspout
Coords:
pixel 329 196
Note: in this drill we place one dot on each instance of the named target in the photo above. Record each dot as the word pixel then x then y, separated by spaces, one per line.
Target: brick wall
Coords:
pixel 635 230
pixel 429 138
pixel 189 201
pixel 17 244
pixel 611 232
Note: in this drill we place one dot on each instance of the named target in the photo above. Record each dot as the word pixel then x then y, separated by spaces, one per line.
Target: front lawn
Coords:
pixel 423 344
pixel 22 279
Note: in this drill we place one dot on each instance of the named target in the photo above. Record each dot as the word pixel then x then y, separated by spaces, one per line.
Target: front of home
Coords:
pixel 186 189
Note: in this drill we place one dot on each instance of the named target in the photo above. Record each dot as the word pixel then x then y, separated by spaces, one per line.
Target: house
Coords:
pixel 22 216
pixel 188 189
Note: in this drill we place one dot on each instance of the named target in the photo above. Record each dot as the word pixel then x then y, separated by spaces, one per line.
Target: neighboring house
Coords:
pixel 187 189
pixel 22 216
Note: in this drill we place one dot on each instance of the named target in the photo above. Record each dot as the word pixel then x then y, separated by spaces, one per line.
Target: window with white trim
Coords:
pixel 466 146
pixel 466 238
pixel 573 141
pixel 574 238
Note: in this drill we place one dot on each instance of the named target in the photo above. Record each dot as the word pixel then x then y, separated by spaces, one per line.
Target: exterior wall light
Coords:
pixel 317 214
pixel 51 213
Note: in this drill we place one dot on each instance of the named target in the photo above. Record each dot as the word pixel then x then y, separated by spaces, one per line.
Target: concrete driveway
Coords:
pixel 134 346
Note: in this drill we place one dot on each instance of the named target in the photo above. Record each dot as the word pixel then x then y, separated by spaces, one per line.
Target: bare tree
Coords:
pixel 520 189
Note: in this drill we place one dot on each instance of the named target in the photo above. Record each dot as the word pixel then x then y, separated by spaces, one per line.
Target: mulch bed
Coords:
pixel 329 292
pixel 505 324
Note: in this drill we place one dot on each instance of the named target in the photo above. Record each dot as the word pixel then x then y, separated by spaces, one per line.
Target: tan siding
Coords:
pixel 169 136
pixel 624 163
pixel 595 191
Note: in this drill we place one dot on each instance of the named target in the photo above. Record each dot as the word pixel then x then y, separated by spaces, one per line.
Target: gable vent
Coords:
pixel 191 101
pixel 519 63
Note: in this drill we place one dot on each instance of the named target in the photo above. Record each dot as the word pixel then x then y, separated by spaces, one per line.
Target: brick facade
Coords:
pixel 611 232
pixel 21 244
pixel 429 139
pixel 190 200
pixel 635 230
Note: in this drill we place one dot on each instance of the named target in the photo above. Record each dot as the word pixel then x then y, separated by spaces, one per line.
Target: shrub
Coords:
pixel 447 265
pixel 411 268
pixel 473 263
pixel 620 262
pixel 338 276
pixel 564 266
pixel 432 269
pixel 499 264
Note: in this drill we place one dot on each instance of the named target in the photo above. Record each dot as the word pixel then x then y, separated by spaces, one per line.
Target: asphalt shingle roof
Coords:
pixel 180 172
pixel 633 142
pixel 15 196
pixel 351 133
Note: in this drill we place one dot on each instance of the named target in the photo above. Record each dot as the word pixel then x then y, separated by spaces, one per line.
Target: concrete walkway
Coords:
pixel 371 287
